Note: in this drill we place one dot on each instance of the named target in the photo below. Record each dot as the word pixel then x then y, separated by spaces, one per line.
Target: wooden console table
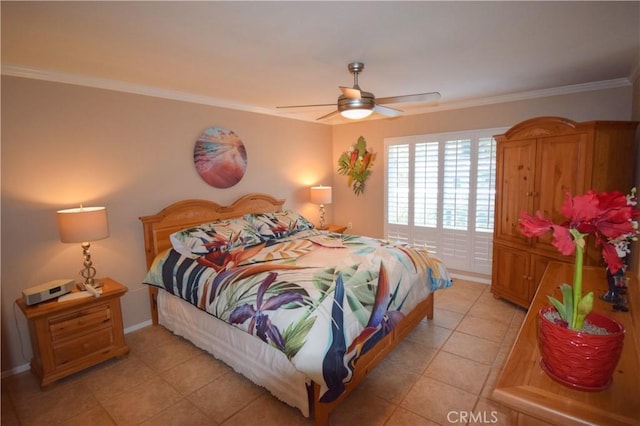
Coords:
pixel 526 388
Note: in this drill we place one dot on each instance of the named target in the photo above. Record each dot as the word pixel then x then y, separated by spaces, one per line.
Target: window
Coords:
pixel 440 193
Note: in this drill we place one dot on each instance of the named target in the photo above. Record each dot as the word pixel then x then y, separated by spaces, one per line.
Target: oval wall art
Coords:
pixel 220 157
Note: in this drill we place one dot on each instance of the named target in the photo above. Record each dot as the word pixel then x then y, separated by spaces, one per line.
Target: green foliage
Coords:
pixel 295 336
pixel 359 286
pixel 584 307
pixel 356 164
pixel 564 308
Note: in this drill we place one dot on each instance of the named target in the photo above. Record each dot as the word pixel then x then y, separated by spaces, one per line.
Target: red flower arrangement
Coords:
pixel 609 217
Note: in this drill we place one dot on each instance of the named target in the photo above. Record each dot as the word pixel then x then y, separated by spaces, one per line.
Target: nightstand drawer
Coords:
pixel 89 344
pixel 69 336
pixel 74 323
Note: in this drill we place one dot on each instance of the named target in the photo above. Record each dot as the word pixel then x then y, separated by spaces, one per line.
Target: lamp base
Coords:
pixel 323 225
pixel 89 272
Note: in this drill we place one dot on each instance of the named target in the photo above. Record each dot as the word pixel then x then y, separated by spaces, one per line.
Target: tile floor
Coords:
pixel 446 366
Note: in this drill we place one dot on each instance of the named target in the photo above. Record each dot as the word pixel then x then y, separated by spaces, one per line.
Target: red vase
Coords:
pixel 576 359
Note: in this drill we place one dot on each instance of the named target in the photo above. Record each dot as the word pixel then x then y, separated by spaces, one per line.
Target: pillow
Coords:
pixel 221 235
pixel 278 224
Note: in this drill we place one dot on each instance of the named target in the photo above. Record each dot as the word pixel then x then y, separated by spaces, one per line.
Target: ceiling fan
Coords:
pixel 355 103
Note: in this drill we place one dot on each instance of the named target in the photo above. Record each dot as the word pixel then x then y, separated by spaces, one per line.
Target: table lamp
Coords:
pixel 321 195
pixel 82 225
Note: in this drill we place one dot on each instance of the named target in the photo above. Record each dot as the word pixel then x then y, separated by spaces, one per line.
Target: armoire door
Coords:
pixel 561 163
pixel 514 187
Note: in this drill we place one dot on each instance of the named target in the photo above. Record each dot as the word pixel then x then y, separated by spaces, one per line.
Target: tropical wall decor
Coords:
pixel 220 157
pixel 356 164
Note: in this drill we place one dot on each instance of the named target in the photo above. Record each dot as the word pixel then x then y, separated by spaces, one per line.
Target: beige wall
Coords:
pixel 63 145
pixel 366 212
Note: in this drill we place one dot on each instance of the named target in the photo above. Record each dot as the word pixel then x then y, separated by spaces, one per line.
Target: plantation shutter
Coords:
pixel 440 193
pixel 397 185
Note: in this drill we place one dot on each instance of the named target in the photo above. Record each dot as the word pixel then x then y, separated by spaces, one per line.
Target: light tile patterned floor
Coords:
pixel 445 368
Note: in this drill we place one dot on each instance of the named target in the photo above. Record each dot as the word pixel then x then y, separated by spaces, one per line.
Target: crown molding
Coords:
pixel 121 86
pixel 531 94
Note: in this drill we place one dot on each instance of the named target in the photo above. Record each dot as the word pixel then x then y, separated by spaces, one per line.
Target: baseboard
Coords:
pixel 137 326
pixel 26 367
pixel 475 278
pixel 16 370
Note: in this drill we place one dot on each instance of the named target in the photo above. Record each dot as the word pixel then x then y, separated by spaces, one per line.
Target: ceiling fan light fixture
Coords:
pixel 356 114
pixel 356 109
pixel 356 104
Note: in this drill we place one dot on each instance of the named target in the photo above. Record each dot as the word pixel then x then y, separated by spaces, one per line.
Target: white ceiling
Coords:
pixel 258 55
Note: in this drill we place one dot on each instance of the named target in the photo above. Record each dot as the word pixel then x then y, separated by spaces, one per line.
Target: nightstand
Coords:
pixel 70 336
pixel 338 229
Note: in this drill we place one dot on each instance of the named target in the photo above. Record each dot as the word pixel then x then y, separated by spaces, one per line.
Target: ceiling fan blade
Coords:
pixel 331 114
pixel 390 112
pixel 305 106
pixel 351 92
pixel 419 97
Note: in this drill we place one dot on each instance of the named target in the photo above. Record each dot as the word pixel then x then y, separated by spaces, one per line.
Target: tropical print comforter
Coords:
pixel 323 299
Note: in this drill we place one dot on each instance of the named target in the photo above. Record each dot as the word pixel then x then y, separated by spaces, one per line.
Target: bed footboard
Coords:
pixel 157 229
pixel 320 410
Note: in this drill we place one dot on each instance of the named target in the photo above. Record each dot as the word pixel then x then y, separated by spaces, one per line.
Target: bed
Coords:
pixel 305 313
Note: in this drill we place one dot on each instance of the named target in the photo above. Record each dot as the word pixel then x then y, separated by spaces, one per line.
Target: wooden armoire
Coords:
pixel 536 161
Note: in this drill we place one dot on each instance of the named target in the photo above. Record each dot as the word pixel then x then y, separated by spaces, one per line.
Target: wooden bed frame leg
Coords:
pixel 321 418
pixel 319 412
pixel 430 306
pixel 153 302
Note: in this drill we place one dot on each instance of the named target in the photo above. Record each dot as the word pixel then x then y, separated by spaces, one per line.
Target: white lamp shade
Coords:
pixel 356 114
pixel 321 194
pixel 83 224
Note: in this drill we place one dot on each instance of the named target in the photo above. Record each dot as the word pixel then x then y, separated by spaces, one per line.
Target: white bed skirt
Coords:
pixel 257 361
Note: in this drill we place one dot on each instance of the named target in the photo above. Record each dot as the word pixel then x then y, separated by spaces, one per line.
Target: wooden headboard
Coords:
pixel 183 214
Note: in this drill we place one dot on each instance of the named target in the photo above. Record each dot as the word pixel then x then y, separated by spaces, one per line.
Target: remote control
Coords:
pixel 96 292
pixel 73 296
